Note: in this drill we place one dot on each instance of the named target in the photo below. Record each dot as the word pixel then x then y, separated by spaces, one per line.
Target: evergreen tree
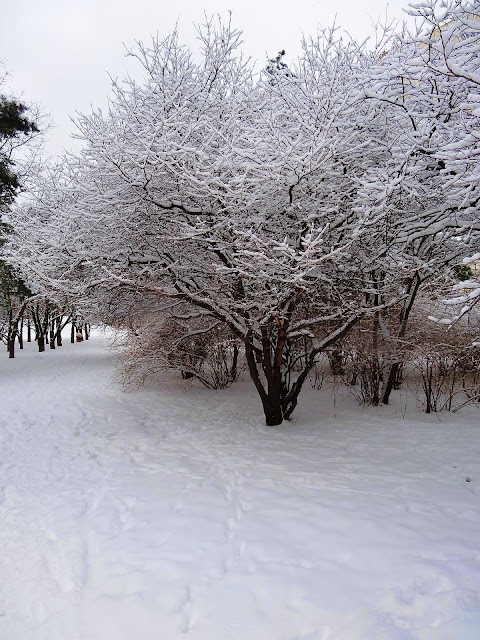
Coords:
pixel 15 129
pixel 13 124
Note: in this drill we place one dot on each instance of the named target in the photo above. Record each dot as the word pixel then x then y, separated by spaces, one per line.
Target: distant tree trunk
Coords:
pixel 52 334
pixel 11 337
pixel 233 370
pixel 41 343
pixel 13 329
pixel 29 330
pixel 9 332
pixel 20 334
pixel 73 333
pixel 41 325
pixel 59 332
pixel 11 345
pixel 375 372
pixel 59 325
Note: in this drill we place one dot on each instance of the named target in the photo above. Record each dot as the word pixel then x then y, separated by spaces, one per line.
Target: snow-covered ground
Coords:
pixel 166 513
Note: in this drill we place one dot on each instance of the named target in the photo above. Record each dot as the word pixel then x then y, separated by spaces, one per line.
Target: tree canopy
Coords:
pixel 282 208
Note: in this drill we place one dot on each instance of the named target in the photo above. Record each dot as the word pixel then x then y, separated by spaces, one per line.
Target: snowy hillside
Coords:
pixel 164 514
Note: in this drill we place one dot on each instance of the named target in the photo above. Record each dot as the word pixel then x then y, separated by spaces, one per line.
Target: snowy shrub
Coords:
pixel 447 364
pixel 209 356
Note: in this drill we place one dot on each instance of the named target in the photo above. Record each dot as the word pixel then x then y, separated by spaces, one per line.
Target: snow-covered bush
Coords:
pixel 210 356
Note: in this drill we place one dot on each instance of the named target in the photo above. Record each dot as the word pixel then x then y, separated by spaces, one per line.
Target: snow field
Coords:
pixel 166 513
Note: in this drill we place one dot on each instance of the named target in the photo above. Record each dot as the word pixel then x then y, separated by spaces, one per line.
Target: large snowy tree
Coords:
pixel 265 205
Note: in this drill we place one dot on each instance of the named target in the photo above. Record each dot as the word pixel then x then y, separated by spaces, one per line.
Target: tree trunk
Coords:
pixel 375 371
pixel 270 397
pixel 278 395
pixel 20 335
pixel 272 409
pixel 52 334
pixel 234 367
pixel 392 381
pixel 395 369
pixel 11 345
pixel 73 333
pixel 13 329
pixel 41 343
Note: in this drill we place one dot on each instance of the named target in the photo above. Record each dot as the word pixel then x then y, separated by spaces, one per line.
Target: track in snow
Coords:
pixel 171 514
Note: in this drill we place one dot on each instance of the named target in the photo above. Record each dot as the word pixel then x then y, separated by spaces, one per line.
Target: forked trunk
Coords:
pixel 270 392
pixel 270 366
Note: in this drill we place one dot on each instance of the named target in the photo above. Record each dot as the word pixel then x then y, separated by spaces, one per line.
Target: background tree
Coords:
pixel 15 130
pixel 19 145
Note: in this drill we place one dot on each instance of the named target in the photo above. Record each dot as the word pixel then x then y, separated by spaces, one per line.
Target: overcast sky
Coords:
pixel 60 52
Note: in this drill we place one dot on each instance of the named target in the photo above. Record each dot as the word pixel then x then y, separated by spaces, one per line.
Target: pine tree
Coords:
pixel 13 124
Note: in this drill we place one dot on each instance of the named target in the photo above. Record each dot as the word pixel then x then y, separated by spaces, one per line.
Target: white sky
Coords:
pixel 60 52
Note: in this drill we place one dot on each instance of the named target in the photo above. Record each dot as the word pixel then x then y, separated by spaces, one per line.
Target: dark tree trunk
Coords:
pixel 234 367
pixel 73 333
pixel 273 415
pixel 395 372
pixel 375 372
pixel 41 343
pixel 272 409
pixel 57 326
pixel 270 396
pixel 278 395
pixel 10 331
pixel 11 345
pixel 393 380
pixel 20 335
pixel 13 330
pixel 29 330
pixel 52 334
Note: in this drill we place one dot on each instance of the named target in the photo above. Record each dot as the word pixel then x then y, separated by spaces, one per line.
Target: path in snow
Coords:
pixel 169 514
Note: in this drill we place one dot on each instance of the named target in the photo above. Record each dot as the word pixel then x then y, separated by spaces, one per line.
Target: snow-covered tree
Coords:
pixel 426 83
pixel 281 208
pixel 449 52
pixel 20 140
